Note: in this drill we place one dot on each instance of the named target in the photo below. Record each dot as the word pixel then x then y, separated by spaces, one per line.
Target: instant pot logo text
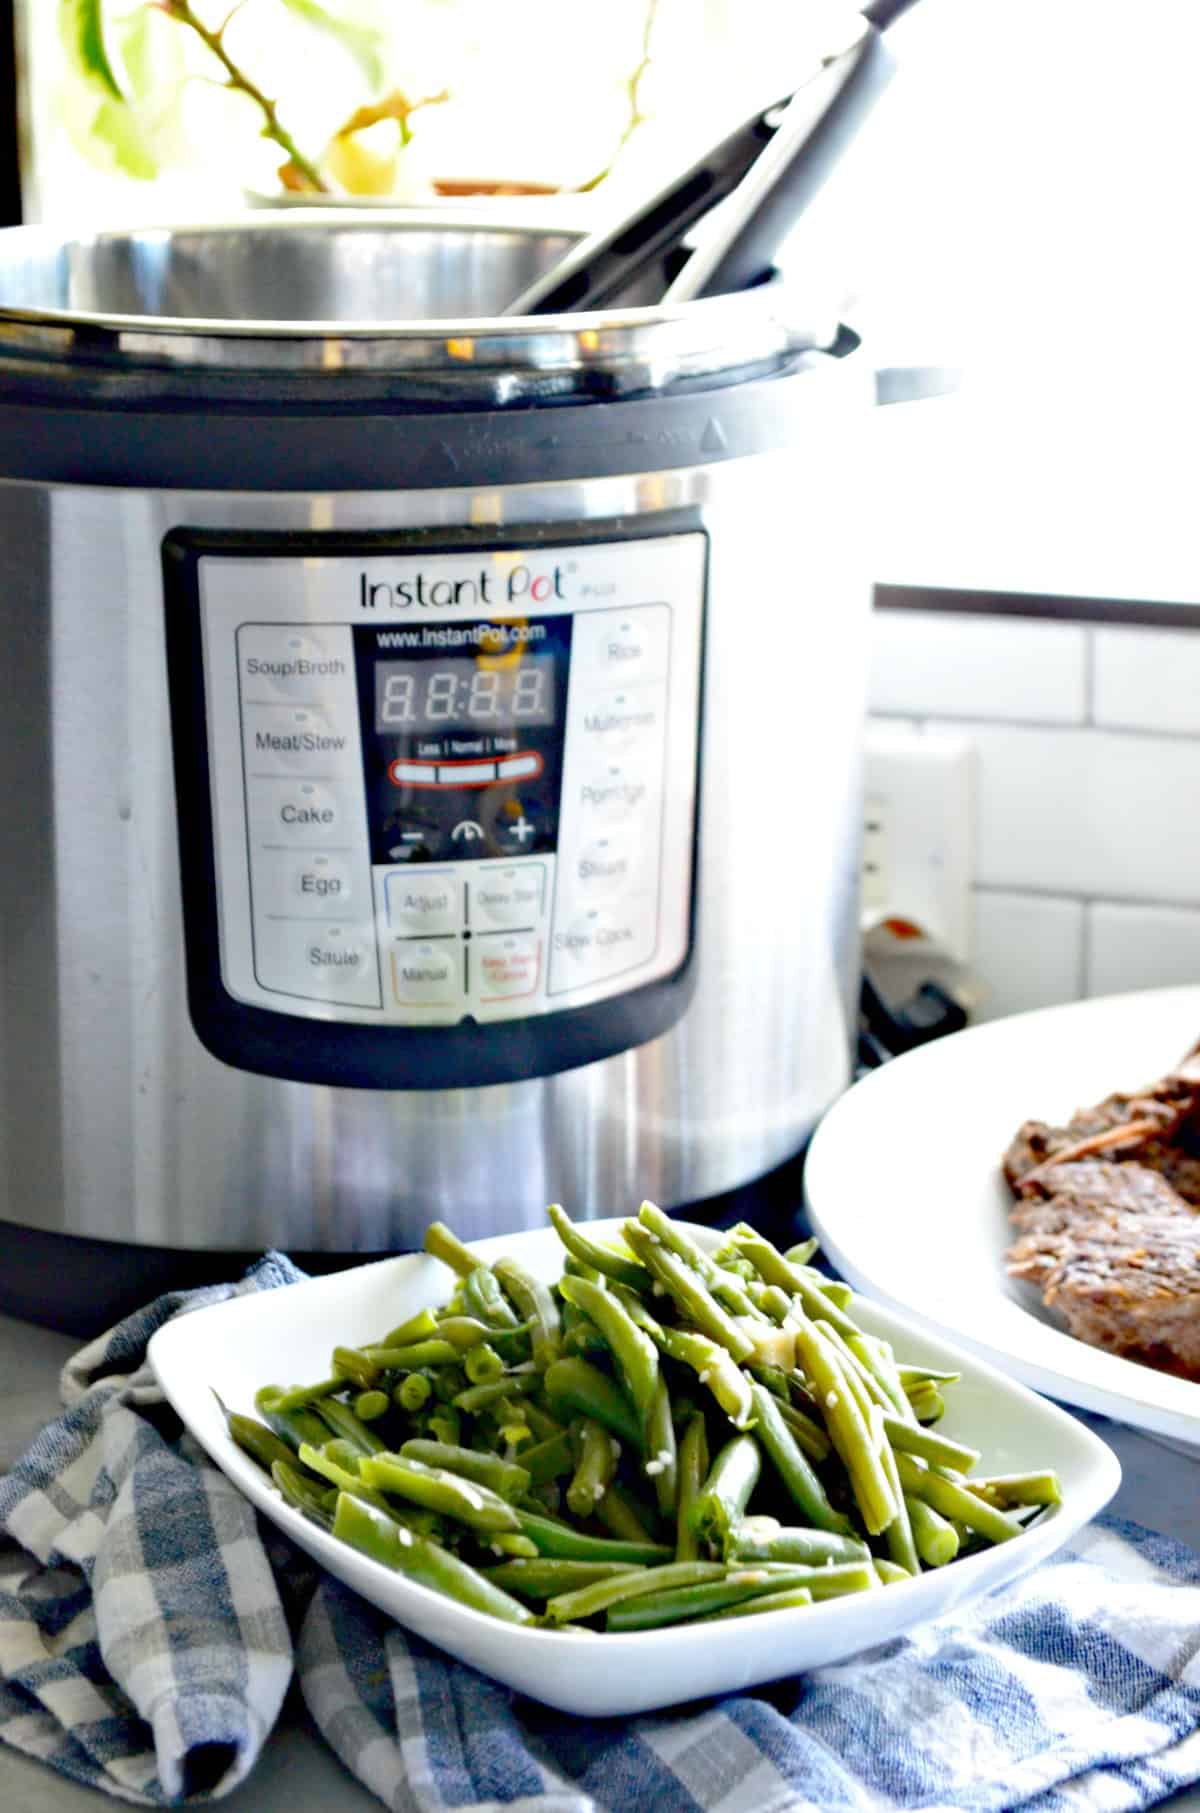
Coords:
pixel 519 585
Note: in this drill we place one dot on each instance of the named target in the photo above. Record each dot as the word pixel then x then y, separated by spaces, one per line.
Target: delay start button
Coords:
pixel 510 896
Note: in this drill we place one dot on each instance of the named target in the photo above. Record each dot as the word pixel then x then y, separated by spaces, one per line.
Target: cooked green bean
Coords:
pixel 578 1387
pixel 423 1326
pixel 741 1586
pixel 634 1353
pixel 369 1406
pixel 482 1297
pixel 304 1397
pixel 935 1536
pixel 570 1608
pixel 293 1426
pixel 543 1578
pixel 927 1402
pixel 693 1471
pixel 662 1463
pixel 413 1392
pixel 721 1502
pixel 563 1543
pixel 623 1518
pixel 900 1535
pixel 954 1501
pixel 937 1449
pixel 725 1286
pixel 475 1398
pixel 505 1477
pixel 343 1476
pixel 889 1573
pixel 811 1439
pixel 768 1602
pixel 715 1368
pixel 799 1480
pixel 847 1430
pixel 446 1246
pixel 437 1489
pixel 591 1252
pixel 1007 1490
pixel 353 1364
pixel 597 1463
pixel 483 1364
pixel 445 1425
pixel 427 1562
pixel 773 1268
pixel 257 1441
pixel 536 1304
pixel 303 1494
pixel 435 1352
pixel 754 1540
pixel 688 1291
pixel 549 1459
pixel 342 1421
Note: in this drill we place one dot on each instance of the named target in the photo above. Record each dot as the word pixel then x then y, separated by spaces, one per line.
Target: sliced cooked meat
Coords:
pixel 1126 1282
pixel 1098 1183
pixel 1106 1219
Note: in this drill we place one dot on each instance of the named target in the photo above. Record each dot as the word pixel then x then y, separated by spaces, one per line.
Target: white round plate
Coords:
pixel 905 1192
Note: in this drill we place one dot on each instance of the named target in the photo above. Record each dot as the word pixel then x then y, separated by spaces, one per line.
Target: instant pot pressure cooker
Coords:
pixel 429 747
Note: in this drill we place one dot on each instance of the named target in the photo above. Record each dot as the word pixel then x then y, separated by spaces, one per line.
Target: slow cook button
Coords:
pixel 633 644
pixel 297 739
pixel 427 975
pixel 512 896
pixel 509 965
pixel 597 944
pixel 423 900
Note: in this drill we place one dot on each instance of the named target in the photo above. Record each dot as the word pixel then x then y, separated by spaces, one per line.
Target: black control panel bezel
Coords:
pixel 340 1054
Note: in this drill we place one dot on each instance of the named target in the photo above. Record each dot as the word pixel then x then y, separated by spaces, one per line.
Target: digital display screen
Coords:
pixel 418 697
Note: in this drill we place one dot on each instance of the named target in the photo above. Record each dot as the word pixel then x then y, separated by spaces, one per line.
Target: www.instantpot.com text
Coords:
pixel 490 636
pixel 520 585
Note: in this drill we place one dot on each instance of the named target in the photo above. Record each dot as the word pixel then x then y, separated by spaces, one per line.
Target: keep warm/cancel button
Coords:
pixel 596 944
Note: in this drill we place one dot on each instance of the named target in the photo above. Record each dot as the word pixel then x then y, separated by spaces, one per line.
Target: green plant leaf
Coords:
pixel 81 28
pixel 116 126
pixel 361 41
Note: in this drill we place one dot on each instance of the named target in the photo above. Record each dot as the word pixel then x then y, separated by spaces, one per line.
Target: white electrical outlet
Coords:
pixel 916 878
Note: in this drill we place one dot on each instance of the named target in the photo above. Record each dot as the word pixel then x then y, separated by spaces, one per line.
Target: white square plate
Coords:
pixel 287 1335
pixel 904 1187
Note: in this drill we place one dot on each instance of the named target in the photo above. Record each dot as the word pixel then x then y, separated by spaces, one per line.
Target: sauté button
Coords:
pixel 336 957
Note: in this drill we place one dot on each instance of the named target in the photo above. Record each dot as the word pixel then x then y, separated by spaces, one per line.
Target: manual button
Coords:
pixel 423 900
pixel 427 975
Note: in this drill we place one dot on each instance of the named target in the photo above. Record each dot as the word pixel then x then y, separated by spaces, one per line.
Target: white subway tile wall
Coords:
pixel 1087 790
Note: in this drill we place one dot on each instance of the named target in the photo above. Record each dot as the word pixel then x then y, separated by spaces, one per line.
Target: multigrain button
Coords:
pixel 427 974
pixel 509 896
pixel 623 718
pixel 508 965
pixel 423 900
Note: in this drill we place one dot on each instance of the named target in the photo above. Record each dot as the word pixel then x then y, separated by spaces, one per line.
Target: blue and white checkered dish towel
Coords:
pixel 145 1648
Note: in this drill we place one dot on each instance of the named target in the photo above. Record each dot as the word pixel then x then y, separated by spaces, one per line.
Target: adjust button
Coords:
pixel 427 975
pixel 423 900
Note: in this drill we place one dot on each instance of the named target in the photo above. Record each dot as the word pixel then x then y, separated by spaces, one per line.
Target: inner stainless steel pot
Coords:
pixel 326 292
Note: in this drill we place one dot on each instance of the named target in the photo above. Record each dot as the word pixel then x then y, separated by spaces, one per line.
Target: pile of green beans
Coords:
pixel 665 1435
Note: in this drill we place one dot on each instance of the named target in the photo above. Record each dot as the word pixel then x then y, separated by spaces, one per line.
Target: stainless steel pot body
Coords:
pixel 117 1122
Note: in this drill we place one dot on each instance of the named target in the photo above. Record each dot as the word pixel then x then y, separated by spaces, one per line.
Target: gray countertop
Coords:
pixel 297 1772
